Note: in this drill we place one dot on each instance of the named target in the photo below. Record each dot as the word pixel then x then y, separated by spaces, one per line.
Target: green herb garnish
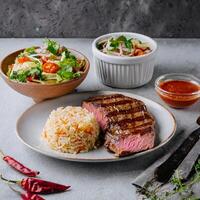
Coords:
pixel 114 43
pixel 121 39
pixel 52 46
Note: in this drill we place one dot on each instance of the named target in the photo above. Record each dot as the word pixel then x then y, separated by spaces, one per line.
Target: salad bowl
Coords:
pixel 40 92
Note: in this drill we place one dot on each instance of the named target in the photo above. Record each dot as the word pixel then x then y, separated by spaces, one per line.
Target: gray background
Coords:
pixel 91 18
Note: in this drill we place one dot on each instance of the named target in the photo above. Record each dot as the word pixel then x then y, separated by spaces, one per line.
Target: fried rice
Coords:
pixel 71 130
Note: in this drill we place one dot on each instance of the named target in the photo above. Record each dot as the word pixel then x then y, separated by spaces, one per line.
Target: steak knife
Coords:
pixel 164 172
pixel 187 164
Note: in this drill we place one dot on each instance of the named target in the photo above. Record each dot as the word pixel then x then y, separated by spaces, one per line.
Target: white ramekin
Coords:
pixel 124 72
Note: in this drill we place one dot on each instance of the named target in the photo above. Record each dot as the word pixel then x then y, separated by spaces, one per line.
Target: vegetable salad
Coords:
pixel 123 46
pixel 48 64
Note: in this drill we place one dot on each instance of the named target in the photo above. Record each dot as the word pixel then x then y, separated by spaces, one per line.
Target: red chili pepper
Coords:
pixel 19 167
pixel 39 186
pixel 27 195
pixel 30 196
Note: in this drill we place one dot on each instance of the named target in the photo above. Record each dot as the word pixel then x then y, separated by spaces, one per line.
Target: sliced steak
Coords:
pixel 127 124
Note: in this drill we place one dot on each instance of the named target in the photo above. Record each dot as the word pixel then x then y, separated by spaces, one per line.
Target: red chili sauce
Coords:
pixel 179 93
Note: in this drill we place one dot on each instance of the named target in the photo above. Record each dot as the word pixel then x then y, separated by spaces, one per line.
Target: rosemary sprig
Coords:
pixel 181 189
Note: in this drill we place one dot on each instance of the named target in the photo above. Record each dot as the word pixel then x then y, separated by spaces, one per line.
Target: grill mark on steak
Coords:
pixel 134 122
pixel 116 128
pixel 113 100
pixel 138 116
pixel 119 108
pixel 110 136
pixel 142 131
pixel 103 97
pixel 122 102
pixel 133 126
pixel 128 111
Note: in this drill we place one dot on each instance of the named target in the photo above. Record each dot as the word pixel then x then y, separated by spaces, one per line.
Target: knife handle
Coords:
pixel 164 172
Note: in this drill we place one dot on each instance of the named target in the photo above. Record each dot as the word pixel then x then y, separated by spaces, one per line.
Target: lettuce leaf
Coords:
pixel 68 62
pixel 30 50
pixel 19 75
pixel 22 75
pixel 36 71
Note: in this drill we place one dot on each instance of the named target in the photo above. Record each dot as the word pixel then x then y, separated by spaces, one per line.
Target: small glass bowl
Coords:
pixel 178 100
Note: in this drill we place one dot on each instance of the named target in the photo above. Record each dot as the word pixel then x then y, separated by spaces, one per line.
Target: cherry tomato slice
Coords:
pixel 23 59
pixel 29 78
pixel 50 67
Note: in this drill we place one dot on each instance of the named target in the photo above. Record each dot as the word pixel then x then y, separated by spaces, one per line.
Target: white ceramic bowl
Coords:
pixel 124 72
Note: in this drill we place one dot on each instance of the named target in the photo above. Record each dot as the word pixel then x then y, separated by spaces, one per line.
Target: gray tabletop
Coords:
pixel 103 181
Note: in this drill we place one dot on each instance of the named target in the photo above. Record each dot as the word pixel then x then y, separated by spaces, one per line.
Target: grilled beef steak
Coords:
pixel 127 124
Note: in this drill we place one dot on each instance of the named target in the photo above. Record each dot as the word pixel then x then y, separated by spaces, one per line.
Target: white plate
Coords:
pixel 31 123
